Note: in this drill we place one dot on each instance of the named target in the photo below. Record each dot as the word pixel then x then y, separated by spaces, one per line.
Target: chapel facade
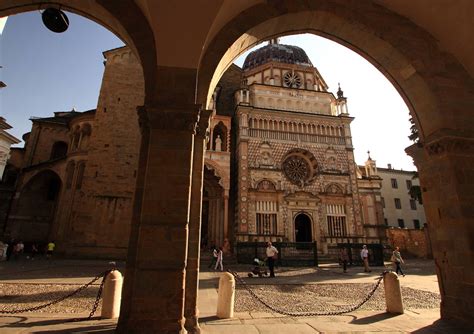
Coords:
pixel 296 176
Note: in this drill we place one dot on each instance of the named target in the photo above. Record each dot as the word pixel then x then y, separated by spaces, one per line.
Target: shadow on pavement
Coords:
pixel 208 319
pixel 64 326
pixel 86 329
pixel 373 318
pixel 443 327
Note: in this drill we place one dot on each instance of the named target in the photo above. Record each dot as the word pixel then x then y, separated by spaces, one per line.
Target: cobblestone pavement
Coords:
pixel 327 297
pixel 29 283
pixel 21 296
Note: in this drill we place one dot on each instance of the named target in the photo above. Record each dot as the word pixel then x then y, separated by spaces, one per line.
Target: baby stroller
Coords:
pixel 258 269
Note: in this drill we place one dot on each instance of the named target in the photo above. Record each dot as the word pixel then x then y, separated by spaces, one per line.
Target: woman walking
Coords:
pixel 220 255
pixel 397 259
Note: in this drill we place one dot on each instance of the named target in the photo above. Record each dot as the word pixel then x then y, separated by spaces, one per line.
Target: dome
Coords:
pixel 276 52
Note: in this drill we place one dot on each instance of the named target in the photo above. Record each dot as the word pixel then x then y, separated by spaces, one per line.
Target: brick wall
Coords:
pixel 412 243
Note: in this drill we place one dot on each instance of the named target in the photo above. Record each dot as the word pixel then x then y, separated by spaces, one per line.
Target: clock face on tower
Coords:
pixel 292 80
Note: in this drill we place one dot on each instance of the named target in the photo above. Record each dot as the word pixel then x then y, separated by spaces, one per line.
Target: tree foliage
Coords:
pixel 415 193
pixel 414 136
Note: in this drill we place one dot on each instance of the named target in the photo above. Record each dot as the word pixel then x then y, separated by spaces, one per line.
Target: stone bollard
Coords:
pixel 393 293
pixel 225 297
pixel 111 295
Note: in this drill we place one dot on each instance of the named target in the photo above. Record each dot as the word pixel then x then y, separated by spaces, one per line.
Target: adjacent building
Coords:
pixel 399 208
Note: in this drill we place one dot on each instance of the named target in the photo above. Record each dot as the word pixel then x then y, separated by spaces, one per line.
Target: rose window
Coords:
pixel 299 167
pixel 296 169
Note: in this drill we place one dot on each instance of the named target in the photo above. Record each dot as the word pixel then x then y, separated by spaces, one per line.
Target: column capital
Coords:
pixel 203 123
pixel 450 145
pixel 182 117
pixel 441 144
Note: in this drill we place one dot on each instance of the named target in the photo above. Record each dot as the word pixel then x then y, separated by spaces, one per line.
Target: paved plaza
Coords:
pixel 24 283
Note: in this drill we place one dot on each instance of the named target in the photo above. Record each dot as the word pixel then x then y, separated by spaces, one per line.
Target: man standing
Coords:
pixel 343 258
pixel 364 254
pixel 271 256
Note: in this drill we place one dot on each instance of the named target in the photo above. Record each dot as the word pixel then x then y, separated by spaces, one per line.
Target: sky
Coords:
pixel 47 72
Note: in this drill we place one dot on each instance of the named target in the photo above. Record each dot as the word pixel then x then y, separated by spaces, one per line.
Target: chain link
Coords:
pixel 308 314
pixel 102 275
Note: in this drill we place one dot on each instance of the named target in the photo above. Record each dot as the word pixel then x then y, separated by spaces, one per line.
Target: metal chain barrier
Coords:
pixel 308 314
pixel 102 275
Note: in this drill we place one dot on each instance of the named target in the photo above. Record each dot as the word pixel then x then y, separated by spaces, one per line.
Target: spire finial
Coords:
pixel 368 153
pixel 275 40
pixel 340 93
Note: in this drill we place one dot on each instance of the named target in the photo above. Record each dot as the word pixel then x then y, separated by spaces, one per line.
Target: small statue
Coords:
pixel 218 144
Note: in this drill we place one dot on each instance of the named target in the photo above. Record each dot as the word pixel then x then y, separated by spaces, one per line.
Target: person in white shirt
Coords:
pixel 214 257
pixel 364 254
pixel 220 257
pixel 271 257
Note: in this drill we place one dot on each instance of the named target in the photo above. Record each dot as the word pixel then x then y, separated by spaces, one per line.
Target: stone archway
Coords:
pixel 303 230
pixel 433 84
pixel 35 210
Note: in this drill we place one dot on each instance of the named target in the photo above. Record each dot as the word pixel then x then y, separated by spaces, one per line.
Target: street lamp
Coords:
pixel 55 20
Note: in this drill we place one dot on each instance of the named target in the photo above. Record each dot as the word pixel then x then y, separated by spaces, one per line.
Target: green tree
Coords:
pixel 414 136
pixel 415 193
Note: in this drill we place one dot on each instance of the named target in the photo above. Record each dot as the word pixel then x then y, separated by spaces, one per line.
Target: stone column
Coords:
pixel 192 267
pixel 446 169
pixel 226 214
pixel 154 286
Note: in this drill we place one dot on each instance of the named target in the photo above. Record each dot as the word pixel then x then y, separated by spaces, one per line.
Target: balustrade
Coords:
pixel 294 136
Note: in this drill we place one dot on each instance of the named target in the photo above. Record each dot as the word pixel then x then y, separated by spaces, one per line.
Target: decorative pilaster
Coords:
pixel 445 165
pixel 154 286
pixel 192 265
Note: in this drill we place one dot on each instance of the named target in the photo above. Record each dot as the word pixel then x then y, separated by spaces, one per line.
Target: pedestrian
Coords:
pixel 18 249
pixel 10 249
pixel 271 257
pixel 34 250
pixel 364 254
pixel 50 249
pixel 220 257
pixel 3 251
pixel 214 257
pixel 397 260
pixel 343 258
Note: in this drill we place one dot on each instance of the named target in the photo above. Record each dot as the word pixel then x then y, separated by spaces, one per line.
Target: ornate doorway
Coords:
pixel 303 228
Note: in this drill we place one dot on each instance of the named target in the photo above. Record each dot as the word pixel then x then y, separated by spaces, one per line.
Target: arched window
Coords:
pixel 76 135
pixel 266 185
pixel 59 150
pixel 81 166
pixel 219 137
pixel 70 174
pixel 86 133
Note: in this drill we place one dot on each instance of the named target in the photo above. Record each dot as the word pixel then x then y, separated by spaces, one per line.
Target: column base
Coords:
pixel 192 325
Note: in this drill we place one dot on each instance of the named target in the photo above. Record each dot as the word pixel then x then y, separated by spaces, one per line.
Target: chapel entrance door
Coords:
pixel 303 228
